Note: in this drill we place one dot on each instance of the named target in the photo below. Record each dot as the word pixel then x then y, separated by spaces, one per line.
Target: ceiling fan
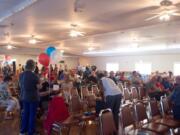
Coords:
pixel 31 38
pixel 8 45
pixel 167 9
pixel 6 25
pixel 74 32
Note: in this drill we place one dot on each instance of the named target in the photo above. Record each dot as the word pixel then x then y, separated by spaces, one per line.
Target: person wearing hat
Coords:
pixel 29 96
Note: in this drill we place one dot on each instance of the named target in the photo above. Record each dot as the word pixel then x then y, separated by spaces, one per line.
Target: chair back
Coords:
pixel 75 106
pixel 84 92
pixel 141 93
pixel 126 118
pixel 154 109
pixel 140 111
pixel 126 94
pixel 120 85
pixel 91 101
pixel 165 105
pixel 74 92
pixel 134 93
pixel 95 90
pixel 107 125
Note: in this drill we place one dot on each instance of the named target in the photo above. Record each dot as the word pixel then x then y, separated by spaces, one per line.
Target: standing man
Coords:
pixel 175 99
pixel 36 71
pixel 29 96
pixel 112 95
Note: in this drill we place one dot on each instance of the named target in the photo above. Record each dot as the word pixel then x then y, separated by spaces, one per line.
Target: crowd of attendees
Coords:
pixel 34 88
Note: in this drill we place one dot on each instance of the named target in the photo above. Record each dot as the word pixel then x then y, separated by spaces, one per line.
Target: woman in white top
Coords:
pixel 112 95
pixel 67 86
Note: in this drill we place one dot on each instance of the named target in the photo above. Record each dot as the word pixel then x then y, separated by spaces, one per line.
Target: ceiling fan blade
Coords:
pixel 144 10
pixel 21 36
pixel 177 4
pixel 171 12
pixel 176 14
pixel 154 13
pixel 153 17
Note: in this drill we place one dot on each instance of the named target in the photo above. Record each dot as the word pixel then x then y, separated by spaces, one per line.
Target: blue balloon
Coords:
pixel 49 50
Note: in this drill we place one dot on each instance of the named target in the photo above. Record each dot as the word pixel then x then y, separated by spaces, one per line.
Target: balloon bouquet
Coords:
pixel 51 56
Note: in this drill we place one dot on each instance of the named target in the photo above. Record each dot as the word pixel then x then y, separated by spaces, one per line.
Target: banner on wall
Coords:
pixel 2 57
pixel 7 57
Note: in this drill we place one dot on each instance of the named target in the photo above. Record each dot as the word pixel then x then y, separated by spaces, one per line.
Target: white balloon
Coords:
pixel 55 57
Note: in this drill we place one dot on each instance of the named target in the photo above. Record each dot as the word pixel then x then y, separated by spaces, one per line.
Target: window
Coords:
pixel 143 68
pixel 112 67
pixel 177 68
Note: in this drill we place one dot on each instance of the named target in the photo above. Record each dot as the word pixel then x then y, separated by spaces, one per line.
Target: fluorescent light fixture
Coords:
pixel 129 50
pixel 135 45
pixel 174 47
pixel 32 41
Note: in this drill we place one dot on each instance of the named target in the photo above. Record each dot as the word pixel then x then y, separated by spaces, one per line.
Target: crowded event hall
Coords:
pixel 89 67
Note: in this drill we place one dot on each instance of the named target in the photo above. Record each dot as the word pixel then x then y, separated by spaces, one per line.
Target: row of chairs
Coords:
pixel 129 94
pixel 133 119
pixel 132 94
pixel 76 107
pixel 87 97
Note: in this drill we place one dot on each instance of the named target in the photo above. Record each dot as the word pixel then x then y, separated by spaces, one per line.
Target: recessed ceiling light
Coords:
pixel 91 48
pixel 62 51
pixel 129 50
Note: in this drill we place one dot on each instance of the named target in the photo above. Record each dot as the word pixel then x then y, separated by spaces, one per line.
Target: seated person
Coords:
pixel 112 76
pixel 175 99
pixel 92 78
pixel 122 77
pixel 52 76
pixel 57 112
pixel 159 83
pixel 152 89
pixel 6 99
pixel 167 85
pixel 136 79
pixel 44 94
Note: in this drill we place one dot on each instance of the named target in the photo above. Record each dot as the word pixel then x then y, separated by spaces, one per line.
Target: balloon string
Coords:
pixel 49 81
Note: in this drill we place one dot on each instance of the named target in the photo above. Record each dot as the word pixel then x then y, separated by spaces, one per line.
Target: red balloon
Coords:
pixel 44 59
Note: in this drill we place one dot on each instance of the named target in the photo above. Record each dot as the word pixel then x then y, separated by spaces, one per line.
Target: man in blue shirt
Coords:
pixel 175 98
pixel 29 96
